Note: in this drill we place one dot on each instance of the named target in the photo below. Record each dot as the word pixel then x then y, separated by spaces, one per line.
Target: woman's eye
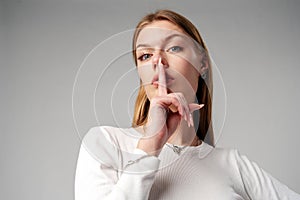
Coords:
pixel 144 57
pixel 175 49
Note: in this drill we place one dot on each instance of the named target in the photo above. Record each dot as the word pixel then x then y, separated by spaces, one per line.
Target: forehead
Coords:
pixel 157 31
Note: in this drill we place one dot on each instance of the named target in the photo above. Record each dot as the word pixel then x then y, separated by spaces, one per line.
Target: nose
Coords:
pixel 155 60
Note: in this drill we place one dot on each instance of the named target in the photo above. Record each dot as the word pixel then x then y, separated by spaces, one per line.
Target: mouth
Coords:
pixel 169 80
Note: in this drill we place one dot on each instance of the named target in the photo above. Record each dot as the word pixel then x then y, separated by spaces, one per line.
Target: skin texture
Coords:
pixel 168 65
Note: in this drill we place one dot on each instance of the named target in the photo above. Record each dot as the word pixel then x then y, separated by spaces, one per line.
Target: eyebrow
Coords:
pixel 166 39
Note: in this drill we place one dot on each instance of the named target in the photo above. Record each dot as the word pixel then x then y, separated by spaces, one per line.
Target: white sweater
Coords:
pixel 110 167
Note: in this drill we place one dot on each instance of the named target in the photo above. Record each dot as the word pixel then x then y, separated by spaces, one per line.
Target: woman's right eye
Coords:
pixel 144 57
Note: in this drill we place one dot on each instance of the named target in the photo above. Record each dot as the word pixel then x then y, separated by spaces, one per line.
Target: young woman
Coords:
pixel 169 152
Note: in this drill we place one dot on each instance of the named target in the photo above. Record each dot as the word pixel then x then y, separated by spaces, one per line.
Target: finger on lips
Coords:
pixel 177 99
pixel 162 83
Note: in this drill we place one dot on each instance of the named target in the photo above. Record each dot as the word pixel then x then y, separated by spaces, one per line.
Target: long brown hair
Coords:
pixel 205 85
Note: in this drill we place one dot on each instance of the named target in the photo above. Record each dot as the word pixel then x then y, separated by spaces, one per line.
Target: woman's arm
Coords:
pixel 259 184
pixel 95 180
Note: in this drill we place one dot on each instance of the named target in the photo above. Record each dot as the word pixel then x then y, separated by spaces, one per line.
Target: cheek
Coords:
pixel 194 56
pixel 189 74
pixel 146 75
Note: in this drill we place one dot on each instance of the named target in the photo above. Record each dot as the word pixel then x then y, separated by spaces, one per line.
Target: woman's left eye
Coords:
pixel 175 49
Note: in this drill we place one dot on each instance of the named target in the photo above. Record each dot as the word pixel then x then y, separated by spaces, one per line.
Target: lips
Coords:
pixel 169 80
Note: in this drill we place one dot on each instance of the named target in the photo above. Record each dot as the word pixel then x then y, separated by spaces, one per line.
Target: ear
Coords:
pixel 204 66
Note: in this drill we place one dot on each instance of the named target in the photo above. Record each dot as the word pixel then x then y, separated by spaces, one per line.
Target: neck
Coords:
pixel 184 136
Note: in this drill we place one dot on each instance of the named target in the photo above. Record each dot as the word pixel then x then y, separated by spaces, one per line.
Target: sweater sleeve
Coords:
pixel 97 179
pixel 260 185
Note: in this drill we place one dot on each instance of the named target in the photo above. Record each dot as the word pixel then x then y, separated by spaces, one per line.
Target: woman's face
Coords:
pixel 179 56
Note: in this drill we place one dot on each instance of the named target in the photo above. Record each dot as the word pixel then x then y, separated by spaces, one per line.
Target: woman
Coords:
pixel 163 156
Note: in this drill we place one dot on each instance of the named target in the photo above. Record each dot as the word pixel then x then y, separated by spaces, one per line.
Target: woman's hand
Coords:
pixel 165 113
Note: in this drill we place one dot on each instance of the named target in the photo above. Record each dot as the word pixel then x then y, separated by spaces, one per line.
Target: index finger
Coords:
pixel 162 83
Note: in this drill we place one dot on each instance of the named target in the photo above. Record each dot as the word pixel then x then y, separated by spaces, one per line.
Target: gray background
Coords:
pixel 43 43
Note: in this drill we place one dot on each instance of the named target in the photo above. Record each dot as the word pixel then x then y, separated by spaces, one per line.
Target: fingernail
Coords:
pixel 198 106
pixel 195 106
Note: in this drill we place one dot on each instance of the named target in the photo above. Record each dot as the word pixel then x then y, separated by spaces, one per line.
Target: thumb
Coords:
pixel 194 106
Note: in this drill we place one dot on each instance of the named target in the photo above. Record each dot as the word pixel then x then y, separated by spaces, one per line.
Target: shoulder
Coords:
pixel 110 134
pixel 233 157
pixel 223 156
pixel 235 163
pixel 97 131
pixel 229 156
pixel 226 160
pixel 101 141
